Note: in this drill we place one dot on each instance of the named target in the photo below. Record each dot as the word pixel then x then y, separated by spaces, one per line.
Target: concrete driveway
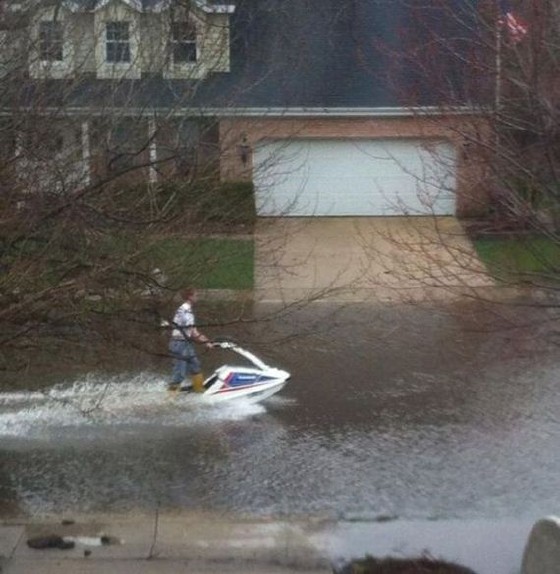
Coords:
pixel 365 259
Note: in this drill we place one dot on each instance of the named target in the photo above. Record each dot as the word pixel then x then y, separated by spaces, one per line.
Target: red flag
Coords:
pixel 516 27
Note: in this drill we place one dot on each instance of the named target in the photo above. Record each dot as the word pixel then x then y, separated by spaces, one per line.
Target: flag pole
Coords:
pixel 498 71
pixel 498 48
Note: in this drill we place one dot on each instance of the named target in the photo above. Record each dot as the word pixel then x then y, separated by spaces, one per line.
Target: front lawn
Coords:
pixel 520 259
pixel 205 263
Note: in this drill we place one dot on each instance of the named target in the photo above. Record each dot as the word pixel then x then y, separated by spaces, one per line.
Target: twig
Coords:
pixel 151 555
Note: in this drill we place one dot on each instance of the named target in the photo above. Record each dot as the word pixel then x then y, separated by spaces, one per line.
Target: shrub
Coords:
pixel 203 201
pixel 229 202
pixel 421 565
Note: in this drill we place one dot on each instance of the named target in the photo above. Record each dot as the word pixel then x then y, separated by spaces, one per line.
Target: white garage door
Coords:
pixel 354 177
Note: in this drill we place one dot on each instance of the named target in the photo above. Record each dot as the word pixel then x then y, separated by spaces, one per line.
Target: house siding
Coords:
pixel 84 43
pixel 216 44
pixel 153 45
pixel 471 180
pixel 14 45
pixel 149 32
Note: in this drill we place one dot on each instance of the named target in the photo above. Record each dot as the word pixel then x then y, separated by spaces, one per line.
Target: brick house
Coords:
pixel 304 97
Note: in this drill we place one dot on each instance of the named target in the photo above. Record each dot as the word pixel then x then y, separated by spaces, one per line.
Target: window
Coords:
pixel 13 6
pixel 126 146
pixel 183 42
pixel 50 41
pixel 40 142
pixel 117 42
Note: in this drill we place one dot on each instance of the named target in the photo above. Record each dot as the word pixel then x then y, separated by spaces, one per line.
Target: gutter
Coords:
pixel 160 6
pixel 344 112
pixel 396 112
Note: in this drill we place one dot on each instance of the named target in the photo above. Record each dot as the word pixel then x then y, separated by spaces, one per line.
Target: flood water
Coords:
pixel 391 412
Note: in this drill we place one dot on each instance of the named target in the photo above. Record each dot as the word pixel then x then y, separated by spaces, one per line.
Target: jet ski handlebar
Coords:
pixel 240 351
pixel 223 344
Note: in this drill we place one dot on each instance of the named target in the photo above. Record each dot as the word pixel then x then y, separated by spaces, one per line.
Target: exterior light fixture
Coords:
pixel 244 150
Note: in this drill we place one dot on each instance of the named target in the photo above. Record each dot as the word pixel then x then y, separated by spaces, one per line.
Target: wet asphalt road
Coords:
pixel 392 412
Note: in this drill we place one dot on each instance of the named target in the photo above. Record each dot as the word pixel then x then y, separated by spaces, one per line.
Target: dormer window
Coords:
pixel 117 41
pixel 117 36
pixel 51 53
pixel 51 41
pixel 14 6
pixel 183 43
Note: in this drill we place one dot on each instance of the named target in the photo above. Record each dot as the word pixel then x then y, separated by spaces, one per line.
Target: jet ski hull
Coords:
pixel 248 383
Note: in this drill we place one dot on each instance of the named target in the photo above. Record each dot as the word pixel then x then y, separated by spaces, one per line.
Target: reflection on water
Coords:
pixel 415 415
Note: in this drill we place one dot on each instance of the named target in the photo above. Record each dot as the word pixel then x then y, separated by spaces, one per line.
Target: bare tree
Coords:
pixel 109 160
pixel 119 166
pixel 488 72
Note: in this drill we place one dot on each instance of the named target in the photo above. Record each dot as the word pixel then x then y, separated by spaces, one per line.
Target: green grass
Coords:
pixel 206 263
pixel 520 259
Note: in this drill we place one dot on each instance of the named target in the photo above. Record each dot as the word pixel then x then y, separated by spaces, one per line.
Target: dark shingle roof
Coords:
pixel 349 53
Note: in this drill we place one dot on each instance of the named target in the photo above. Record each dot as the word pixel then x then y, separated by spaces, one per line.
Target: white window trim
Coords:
pixel 183 70
pixel 106 70
pixel 152 131
pixel 65 169
pixel 57 69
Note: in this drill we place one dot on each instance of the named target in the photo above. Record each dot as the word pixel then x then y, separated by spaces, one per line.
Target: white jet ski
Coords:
pixel 252 383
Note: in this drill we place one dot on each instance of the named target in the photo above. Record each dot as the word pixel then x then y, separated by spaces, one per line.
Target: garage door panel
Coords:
pixel 365 177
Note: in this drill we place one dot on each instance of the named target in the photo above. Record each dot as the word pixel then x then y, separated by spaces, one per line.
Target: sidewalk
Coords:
pixel 189 543
pixel 195 542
